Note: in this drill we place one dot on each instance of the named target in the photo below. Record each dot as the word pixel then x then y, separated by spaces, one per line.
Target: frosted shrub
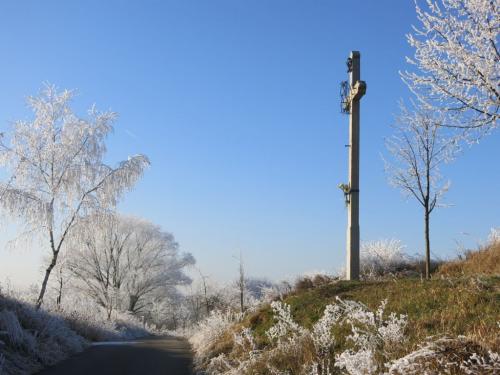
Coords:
pixel 371 335
pixel 477 364
pixel 206 332
pixel 447 356
pixel 321 333
pixel 373 341
pixel 10 324
pixel 220 365
pixel 494 236
pixel 245 339
pixel 285 326
pixel 276 291
pixel 323 340
pixel 249 356
pixel 297 350
pixel 360 362
pixel 383 257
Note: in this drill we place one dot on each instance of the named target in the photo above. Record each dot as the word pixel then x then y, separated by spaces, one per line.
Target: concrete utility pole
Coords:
pixel 357 89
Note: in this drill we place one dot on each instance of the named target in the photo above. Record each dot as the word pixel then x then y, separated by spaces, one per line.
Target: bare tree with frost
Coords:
pixel 241 283
pixel 154 264
pixel 97 250
pixel 418 149
pixel 457 61
pixel 126 262
pixel 58 174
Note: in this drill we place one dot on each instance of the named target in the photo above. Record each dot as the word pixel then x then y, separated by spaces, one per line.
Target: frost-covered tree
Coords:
pixel 418 149
pixel 57 170
pixel 241 283
pixel 127 263
pixel 154 264
pixel 97 250
pixel 457 61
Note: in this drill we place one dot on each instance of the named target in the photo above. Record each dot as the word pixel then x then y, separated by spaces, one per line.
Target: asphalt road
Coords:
pixel 152 356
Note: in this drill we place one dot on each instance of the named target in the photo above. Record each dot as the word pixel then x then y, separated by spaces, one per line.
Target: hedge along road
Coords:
pixel 165 355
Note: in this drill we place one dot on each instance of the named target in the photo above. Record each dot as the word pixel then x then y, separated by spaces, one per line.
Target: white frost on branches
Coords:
pixel 285 326
pixel 371 333
pixel 374 344
pixel 57 171
pixel 445 356
pixel 457 61
pixel 418 149
pixel 382 257
pixel 210 329
pixel 373 336
pixel 494 236
pixel 126 263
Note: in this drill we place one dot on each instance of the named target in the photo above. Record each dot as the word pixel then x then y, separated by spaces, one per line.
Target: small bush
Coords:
pixel 447 356
pixel 382 258
pixel 313 281
pixel 204 335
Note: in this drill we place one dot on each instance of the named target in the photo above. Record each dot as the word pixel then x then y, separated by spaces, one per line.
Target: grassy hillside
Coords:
pixel 462 299
pixel 468 306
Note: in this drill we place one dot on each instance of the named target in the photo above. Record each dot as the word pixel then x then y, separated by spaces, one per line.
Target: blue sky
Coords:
pixel 236 103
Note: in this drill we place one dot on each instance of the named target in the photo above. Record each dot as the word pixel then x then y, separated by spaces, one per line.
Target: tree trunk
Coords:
pixel 132 301
pixel 207 306
pixel 427 246
pixel 110 310
pixel 241 300
pixel 52 264
pixel 59 296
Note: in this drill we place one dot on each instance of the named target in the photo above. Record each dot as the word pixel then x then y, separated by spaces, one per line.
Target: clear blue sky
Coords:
pixel 236 103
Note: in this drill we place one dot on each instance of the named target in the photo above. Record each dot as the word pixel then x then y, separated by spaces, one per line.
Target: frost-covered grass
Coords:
pixel 208 332
pixel 349 338
pixel 90 321
pixel 31 339
pixel 444 325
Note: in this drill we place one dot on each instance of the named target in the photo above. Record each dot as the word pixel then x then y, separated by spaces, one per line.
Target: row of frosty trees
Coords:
pixel 455 79
pixel 63 194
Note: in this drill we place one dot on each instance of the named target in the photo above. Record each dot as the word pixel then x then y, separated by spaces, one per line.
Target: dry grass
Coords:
pixel 486 261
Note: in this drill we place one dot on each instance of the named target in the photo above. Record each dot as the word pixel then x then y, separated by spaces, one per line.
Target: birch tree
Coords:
pixel 418 149
pixel 57 170
pixel 457 61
